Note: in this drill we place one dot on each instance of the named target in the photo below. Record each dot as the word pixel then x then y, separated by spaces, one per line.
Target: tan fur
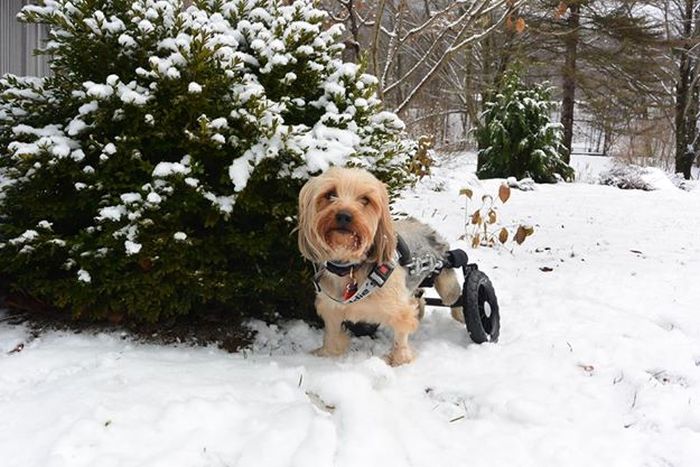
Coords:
pixel 392 305
pixel 372 238
pixel 447 287
pixel 385 237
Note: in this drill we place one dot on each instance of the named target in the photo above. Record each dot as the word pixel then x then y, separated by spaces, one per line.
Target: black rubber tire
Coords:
pixel 478 291
pixel 361 328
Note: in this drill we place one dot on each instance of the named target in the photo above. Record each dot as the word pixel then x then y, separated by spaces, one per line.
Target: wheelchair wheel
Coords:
pixel 480 307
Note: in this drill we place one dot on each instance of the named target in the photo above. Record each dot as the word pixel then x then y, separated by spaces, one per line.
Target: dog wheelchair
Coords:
pixel 478 297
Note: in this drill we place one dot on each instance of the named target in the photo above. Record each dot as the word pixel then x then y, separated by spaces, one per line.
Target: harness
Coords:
pixel 376 278
pixel 379 274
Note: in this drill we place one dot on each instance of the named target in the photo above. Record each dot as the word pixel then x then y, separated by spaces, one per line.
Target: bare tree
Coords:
pixel 418 49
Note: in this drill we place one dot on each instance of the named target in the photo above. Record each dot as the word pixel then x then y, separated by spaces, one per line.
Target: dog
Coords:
pixel 346 229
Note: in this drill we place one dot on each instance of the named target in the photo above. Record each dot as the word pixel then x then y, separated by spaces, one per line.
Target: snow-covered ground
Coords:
pixel 598 362
pixel 588 167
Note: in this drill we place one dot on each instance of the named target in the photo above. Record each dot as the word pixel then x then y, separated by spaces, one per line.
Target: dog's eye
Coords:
pixel 331 195
pixel 364 200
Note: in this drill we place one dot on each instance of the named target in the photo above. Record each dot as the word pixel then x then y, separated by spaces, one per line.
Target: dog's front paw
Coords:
pixel 399 356
pixel 324 351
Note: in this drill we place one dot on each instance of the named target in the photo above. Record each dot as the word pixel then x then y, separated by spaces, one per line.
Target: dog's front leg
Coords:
pixel 403 323
pixel 335 340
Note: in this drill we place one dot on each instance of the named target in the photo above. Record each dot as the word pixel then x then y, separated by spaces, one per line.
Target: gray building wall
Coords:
pixel 18 41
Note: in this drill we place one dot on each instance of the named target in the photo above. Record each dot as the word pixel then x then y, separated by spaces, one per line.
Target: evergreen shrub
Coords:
pixel 155 172
pixel 517 137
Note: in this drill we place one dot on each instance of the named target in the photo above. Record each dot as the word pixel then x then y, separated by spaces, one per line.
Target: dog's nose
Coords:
pixel 343 218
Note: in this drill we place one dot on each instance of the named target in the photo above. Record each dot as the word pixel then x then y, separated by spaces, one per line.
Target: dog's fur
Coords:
pixel 369 238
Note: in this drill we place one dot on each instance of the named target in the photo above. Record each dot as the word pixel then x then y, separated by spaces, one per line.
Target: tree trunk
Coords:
pixel 569 78
pixel 684 117
pixel 352 46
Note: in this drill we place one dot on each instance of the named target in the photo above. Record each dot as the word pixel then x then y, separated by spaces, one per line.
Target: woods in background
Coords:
pixel 625 72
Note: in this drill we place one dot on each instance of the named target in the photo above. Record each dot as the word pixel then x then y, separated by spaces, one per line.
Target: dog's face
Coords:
pixel 344 216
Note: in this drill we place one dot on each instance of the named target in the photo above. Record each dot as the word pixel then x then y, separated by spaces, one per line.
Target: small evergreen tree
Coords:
pixel 517 137
pixel 156 171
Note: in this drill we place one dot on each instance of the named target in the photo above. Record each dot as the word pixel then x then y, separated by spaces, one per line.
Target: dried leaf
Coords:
pixel 146 264
pixel 466 192
pixel 529 230
pixel 504 193
pixel 492 217
pixel 509 23
pixel 520 25
pixel 18 348
pixel 503 235
pixel 476 217
pixel 560 10
pixel 475 241
pixel 520 235
pixel 316 400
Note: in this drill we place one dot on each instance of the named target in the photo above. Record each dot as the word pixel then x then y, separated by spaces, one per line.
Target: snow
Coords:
pixel 590 168
pixel 658 179
pixel 218 123
pixel 180 236
pixel 129 198
pixel 27 236
pixel 166 169
pixel 84 276
pixel 99 91
pixel 172 73
pixel 88 108
pixel 132 248
pixel 222 203
pixel 145 26
pixel 76 126
pixel 597 364
pixel 113 213
pixel 126 41
pixel 154 198
pixel 61 150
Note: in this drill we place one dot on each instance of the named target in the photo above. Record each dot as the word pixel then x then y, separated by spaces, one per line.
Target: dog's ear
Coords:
pixel 306 215
pixel 385 237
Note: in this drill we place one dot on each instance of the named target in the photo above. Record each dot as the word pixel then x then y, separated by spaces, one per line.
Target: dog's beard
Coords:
pixel 343 239
pixel 347 244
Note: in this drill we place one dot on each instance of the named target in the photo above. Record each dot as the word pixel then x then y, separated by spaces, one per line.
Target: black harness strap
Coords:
pixel 341 270
pixel 403 251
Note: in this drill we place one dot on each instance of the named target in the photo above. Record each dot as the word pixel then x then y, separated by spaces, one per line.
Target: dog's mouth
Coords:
pixel 342 237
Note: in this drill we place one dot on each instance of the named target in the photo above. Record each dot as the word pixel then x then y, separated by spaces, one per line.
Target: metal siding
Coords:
pixel 18 41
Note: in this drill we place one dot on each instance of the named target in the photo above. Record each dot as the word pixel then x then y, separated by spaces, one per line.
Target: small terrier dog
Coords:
pixel 346 230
